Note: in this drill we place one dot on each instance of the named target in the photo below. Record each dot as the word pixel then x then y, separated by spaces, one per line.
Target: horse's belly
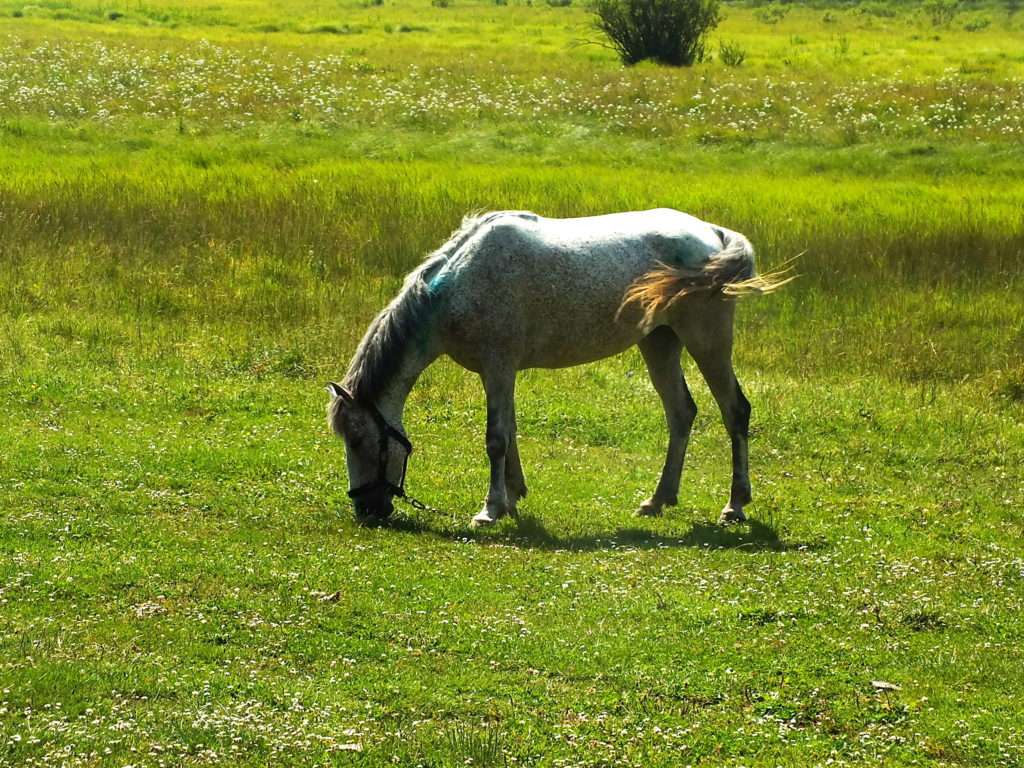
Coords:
pixel 546 347
pixel 543 339
pixel 569 344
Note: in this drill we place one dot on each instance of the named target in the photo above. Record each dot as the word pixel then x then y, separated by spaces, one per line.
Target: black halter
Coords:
pixel 387 432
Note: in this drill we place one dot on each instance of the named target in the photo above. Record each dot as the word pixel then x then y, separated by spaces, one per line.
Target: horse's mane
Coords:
pixel 380 353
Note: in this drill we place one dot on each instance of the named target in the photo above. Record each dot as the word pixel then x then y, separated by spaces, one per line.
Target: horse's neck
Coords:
pixel 390 401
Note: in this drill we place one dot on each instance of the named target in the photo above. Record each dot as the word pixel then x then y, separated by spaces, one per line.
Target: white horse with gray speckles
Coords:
pixel 512 290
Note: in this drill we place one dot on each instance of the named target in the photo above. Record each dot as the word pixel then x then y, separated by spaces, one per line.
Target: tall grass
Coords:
pixel 890 272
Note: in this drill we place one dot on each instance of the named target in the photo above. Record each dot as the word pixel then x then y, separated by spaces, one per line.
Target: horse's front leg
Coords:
pixel 500 388
pixel 515 482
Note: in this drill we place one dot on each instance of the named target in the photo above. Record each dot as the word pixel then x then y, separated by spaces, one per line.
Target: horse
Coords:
pixel 512 290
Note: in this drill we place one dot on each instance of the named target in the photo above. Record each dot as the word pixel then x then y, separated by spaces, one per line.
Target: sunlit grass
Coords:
pixel 181 582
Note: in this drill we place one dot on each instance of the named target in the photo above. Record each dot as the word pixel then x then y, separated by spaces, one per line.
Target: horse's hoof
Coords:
pixel 731 515
pixel 482 520
pixel 649 508
pixel 489 515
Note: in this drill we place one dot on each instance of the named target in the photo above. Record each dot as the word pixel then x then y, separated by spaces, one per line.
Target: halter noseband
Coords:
pixel 386 433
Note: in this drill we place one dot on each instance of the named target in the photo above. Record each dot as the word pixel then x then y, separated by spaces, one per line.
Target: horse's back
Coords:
pixel 637 238
pixel 547 290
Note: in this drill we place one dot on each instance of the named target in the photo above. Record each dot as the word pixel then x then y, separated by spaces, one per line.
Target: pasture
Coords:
pixel 201 209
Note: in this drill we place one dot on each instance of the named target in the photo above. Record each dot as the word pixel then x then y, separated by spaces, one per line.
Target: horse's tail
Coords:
pixel 730 273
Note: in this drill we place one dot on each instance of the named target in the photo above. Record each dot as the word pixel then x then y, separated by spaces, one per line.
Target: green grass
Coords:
pixel 181 581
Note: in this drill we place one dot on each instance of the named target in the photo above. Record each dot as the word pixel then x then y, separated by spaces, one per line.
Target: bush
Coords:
pixel 559 3
pixel 666 31
pixel 942 12
pixel 731 54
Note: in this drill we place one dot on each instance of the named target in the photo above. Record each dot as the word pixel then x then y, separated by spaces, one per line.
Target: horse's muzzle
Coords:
pixel 374 510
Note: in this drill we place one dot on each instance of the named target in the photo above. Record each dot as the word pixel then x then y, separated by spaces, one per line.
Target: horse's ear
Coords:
pixel 339 391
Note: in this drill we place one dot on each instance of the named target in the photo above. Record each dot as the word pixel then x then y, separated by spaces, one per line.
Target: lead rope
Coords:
pixel 421 505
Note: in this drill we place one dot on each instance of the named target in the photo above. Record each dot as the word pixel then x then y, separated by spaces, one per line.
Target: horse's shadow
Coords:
pixel 529 532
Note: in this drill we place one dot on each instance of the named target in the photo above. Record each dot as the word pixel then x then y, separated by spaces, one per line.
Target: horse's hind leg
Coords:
pixel 708 337
pixel 500 388
pixel 661 350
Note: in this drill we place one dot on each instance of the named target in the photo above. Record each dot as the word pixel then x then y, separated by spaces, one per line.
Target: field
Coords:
pixel 202 207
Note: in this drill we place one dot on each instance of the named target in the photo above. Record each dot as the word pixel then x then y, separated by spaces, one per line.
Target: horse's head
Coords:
pixel 376 453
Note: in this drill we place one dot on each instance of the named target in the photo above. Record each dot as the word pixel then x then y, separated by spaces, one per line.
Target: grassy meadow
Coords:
pixel 202 207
